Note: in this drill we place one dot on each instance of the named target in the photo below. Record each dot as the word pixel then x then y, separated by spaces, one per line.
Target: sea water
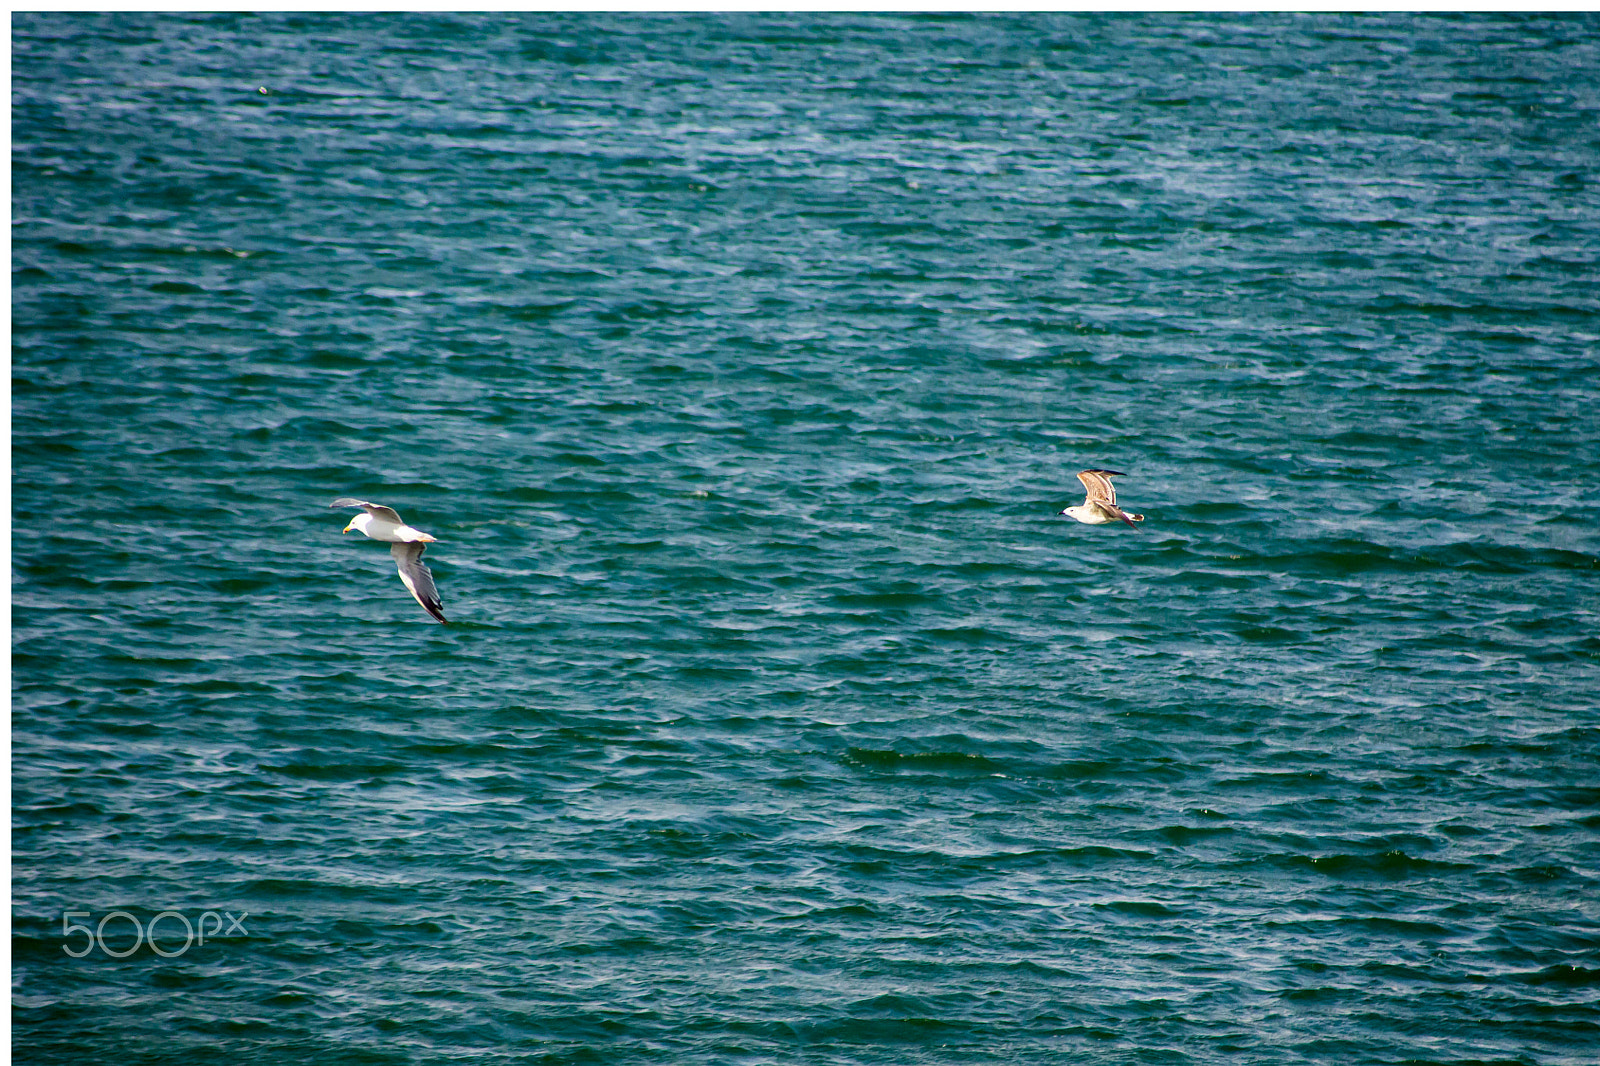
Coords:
pixel 740 364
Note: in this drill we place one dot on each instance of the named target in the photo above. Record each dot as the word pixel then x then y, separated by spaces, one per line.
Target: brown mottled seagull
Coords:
pixel 1100 505
pixel 405 544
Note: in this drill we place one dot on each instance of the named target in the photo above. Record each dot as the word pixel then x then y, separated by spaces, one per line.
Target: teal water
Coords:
pixel 740 365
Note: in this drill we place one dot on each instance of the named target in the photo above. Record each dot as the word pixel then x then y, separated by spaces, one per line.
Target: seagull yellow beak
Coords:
pixel 346 529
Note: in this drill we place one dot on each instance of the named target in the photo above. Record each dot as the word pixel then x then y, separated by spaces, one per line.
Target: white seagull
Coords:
pixel 405 544
pixel 1100 505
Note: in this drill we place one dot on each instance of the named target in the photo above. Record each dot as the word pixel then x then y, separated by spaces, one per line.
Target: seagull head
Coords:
pixel 358 523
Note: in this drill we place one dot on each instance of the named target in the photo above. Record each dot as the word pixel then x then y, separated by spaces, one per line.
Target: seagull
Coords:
pixel 405 544
pixel 1100 505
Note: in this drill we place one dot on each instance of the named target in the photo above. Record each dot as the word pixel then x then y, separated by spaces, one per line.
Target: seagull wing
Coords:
pixel 416 575
pixel 1111 510
pixel 1098 484
pixel 376 510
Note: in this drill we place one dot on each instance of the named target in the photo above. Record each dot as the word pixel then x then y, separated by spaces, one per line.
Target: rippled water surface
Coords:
pixel 740 365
